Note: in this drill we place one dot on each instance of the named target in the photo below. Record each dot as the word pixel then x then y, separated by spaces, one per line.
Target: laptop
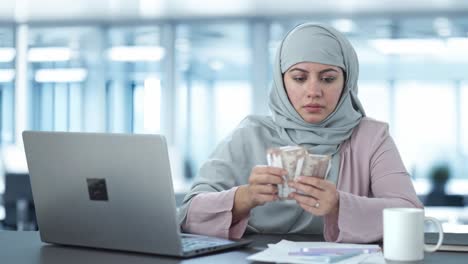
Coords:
pixel 110 191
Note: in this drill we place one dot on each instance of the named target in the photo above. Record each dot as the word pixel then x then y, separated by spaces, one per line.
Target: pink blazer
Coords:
pixel 364 191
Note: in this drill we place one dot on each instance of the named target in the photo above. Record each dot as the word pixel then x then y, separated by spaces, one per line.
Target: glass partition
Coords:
pixel 213 66
pixel 7 81
pixel 425 124
pixel 62 68
pixel 134 79
pixel 195 79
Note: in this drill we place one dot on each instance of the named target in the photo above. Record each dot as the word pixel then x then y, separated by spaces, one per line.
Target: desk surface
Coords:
pixel 26 247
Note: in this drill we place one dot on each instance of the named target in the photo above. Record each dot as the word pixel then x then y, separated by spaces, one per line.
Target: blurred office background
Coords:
pixel 193 69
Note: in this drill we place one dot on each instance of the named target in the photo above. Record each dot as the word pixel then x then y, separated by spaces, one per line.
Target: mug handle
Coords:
pixel 436 222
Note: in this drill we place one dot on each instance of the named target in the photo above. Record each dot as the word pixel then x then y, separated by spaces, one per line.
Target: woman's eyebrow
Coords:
pixel 298 69
pixel 320 72
pixel 327 70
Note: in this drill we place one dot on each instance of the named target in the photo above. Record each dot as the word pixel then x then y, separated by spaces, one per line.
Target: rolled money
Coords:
pixel 288 158
pixel 316 165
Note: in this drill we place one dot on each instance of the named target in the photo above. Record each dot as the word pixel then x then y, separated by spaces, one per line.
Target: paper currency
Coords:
pixel 316 165
pixel 286 157
pixel 298 162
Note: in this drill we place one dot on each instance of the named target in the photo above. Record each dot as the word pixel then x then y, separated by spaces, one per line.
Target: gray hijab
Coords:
pixel 321 44
pixel 231 163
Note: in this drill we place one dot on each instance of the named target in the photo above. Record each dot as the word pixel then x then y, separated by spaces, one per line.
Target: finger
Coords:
pixel 265 198
pixel 265 189
pixel 304 199
pixel 270 170
pixel 314 181
pixel 265 179
pixel 310 209
pixel 326 184
pixel 307 189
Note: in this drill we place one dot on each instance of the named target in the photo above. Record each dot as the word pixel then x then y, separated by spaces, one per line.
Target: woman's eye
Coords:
pixel 299 79
pixel 329 79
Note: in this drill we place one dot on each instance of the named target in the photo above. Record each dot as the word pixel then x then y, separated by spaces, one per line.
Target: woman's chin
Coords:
pixel 313 119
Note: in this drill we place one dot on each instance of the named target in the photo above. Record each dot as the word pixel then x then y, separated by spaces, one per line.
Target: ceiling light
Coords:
pixel 49 54
pixel 408 46
pixel 60 75
pixel 458 45
pixel 7 54
pixel 7 75
pixel 136 53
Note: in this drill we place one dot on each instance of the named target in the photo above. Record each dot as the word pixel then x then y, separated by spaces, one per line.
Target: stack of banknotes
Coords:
pixel 298 162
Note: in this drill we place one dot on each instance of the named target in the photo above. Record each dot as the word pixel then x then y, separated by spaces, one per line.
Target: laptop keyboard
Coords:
pixel 194 243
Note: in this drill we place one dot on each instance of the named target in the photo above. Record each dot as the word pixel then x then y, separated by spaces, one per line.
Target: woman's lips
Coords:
pixel 313 108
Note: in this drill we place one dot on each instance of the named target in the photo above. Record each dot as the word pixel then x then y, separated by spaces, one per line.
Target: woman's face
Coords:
pixel 314 89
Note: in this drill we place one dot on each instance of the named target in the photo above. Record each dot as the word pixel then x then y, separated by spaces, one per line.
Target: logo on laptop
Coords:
pixel 97 189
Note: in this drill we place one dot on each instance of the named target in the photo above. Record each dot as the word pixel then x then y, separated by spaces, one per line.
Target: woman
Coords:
pixel 314 104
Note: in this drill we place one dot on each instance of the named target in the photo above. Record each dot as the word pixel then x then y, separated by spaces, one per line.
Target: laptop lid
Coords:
pixel 100 190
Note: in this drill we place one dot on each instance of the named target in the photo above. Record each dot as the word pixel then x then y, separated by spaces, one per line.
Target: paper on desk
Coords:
pixel 279 253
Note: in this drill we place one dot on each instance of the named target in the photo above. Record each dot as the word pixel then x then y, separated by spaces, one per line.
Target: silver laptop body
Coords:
pixel 111 191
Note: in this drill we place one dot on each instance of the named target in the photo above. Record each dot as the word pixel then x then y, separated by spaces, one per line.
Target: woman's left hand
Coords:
pixel 318 197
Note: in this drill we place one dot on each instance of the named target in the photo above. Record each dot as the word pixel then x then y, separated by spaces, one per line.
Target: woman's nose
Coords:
pixel 313 89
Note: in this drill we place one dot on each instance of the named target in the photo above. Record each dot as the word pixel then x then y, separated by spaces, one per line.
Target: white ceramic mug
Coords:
pixel 403 238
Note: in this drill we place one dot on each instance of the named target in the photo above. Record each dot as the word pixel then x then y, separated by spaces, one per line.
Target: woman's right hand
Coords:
pixel 262 188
